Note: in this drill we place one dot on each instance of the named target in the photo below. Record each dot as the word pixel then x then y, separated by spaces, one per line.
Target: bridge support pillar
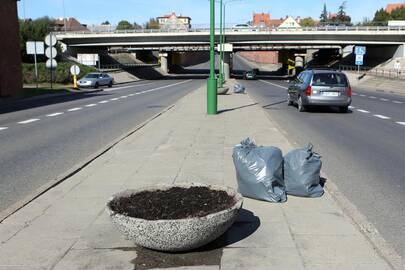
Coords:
pixel 164 63
pixel 227 65
pixel 400 52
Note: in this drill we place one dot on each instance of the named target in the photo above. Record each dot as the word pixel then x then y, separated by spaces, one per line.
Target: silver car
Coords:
pixel 95 80
pixel 318 87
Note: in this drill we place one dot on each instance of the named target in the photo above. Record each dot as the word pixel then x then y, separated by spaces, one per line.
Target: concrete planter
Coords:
pixel 177 234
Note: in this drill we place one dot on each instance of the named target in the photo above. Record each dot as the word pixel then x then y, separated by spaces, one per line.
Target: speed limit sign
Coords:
pixel 75 70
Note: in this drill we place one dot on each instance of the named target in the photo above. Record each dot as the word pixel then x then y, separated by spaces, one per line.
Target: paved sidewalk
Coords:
pixel 67 228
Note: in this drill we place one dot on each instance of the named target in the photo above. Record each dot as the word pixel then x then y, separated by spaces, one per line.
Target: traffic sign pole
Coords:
pixel 36 66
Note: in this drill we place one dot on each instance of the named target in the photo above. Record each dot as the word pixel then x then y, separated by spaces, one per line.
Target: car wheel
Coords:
pixel 344 109
pixel 301 108
pixel 110 84
pixel 96 85
pixel 289 101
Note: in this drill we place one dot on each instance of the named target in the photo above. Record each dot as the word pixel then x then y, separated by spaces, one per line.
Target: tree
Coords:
pixel 137 26
pixel 152 24
pixel 33 30
pixel 398 13
pixel 106 23
pixel 324 15
pixel 381 18
pixel 124 25
pixel 307 22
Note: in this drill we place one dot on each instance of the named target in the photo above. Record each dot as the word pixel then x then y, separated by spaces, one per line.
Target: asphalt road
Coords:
pixel 42 139
pixel 363 150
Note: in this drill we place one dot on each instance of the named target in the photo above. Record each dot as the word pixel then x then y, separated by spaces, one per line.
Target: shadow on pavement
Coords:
pixel 236 108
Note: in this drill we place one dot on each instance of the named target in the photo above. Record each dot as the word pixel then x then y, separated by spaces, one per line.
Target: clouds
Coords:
pixel 96 11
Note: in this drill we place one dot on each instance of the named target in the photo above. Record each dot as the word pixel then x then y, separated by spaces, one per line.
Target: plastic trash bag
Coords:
pixel 302 168
pixel 259 171
pixel 239 89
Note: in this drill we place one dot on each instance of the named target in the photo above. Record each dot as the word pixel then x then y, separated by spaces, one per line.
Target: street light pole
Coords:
pixel 221 42
pixel 212 81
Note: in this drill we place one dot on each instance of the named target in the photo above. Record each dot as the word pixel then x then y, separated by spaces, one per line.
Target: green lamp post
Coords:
pixel 212 101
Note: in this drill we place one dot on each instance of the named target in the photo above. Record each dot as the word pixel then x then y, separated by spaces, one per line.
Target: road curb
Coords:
pixel 366 228
pixel 81 165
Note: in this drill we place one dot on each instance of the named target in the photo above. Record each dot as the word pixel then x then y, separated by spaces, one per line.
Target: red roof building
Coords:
pixel 391 7
pixel 69 24
pixel 263 19
pixel 174 22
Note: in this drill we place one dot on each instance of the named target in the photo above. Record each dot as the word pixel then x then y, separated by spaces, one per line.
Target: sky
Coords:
pixel 239 11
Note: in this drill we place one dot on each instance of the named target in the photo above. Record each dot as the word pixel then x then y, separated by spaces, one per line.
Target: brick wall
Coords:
pixel 10 58
pixel 261 57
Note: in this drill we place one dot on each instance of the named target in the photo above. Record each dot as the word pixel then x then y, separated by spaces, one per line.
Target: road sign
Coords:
pixel 50 40
pixel 35 47
pixel 360 50
pixel 51 64
pixel 359 59
pixel 51 52
pixel 75 70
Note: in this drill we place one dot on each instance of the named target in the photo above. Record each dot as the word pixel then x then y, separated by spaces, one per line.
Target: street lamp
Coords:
pixel 212 100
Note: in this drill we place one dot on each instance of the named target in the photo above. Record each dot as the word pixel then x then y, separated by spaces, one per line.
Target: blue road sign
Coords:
pixel 359 59
pixel 360 50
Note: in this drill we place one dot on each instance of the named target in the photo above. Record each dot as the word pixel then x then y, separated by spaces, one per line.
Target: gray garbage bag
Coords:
pixel 259 171
pixel 239 89
pixel 302 168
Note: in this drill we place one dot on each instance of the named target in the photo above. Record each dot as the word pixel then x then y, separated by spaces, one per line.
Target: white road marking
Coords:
pixel 28 121
pixel 382 116
pixel 363 111
pixel 91 105
pixel 129 86
pixel 355 94
pixel 352 107
pixel 283 87
pixel 131 95
pixel 3 128
pixel 401 123
pixel 383 99
pixel 113 99
pixel 74 109
pixel 362 95
pixel 54 114
pixel 104 101
pixel 397 102
pixel 372 97
pixel 123 96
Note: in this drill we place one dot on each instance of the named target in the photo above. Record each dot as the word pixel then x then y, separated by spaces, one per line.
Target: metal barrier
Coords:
pixel 378 72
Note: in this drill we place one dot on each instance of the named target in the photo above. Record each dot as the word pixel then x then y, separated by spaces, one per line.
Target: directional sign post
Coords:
pixel 75 70
pixel 359 51
pixel 35 48
pixel 50 41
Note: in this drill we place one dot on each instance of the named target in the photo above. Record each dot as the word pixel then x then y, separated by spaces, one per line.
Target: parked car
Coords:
pixel 250 75
pixel 316 87
pixel 95 80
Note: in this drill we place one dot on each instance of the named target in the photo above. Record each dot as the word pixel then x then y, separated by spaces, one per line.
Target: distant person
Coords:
pixel 397 67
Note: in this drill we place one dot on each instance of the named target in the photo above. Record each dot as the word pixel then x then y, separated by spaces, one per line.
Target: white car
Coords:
pixel 242 27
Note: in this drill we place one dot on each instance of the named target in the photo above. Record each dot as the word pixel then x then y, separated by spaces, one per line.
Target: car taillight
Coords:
pixel 349 91
pixel 308 91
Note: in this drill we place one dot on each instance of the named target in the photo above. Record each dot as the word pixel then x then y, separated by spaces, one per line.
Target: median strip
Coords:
pixel 28 121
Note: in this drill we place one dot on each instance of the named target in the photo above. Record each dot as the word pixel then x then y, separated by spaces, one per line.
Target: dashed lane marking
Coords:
pixel 3 128
pixel 104 102
pixel 363 111
pixel 382 116
pixel 74 109
pixel 113 99
pixel 384 99
pixel 401 123
pixel 372 97
pixel 398 102
pixel 355 94
pixel 54 114
pixel 123 96
pixel 362 95
pixel 276 85
pixel 28 121
pixel 91 105
pixel 129 86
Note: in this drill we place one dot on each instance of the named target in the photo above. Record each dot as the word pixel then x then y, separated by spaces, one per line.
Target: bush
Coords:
pixel 60 75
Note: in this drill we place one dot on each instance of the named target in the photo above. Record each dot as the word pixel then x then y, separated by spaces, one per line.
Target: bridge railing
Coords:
pixel 375 71
pixel 251 30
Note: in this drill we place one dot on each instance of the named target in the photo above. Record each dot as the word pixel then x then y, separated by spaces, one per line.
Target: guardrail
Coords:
pixel 251 30
pixel 113 67
pixel 378 72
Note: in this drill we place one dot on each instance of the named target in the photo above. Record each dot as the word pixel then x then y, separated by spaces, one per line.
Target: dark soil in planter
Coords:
pixel 174 203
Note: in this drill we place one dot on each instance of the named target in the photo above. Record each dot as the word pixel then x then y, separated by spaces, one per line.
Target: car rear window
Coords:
pixel 328 79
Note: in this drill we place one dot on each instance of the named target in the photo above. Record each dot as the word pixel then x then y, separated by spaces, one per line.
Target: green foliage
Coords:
pixel 324 15
pixel 106 23
pixel 61 74
pixel 33 30
pixel 152 24
pixel 125 25
pixel 308 22
pixel 398 14
pixel 381 18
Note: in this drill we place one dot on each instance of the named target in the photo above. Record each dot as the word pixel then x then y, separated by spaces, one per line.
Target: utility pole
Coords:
pixel 212 100
pixel 221 42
